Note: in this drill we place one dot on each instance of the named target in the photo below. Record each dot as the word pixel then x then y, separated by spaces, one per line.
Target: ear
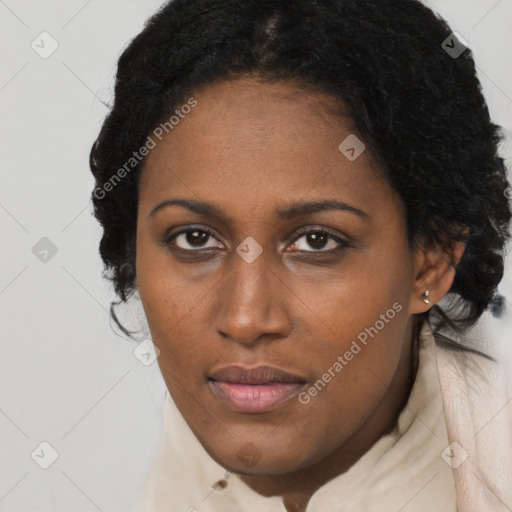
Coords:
pixel 434 271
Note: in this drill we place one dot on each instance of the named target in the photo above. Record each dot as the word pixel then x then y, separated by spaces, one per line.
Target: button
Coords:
pixel 219 485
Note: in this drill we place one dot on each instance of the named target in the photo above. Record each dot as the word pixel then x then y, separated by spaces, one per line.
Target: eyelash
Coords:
pixel 343 244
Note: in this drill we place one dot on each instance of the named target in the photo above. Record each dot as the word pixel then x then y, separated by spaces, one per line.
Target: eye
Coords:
pixel 320 240
pixel 192 238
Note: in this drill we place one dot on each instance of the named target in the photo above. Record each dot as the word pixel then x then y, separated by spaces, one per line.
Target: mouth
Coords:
pixel 254 390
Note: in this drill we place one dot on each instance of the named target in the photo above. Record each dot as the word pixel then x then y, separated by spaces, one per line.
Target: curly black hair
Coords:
pixel 409 86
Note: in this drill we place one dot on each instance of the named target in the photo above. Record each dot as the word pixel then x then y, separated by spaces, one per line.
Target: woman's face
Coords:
pixel 255 282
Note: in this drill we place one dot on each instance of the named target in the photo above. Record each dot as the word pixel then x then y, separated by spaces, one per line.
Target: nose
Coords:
pixel 252 303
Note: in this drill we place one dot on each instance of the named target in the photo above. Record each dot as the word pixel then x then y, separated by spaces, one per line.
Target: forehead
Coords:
pixel 263 144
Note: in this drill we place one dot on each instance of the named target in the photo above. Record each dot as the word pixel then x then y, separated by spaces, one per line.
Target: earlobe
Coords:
pixel 424 294
pixel 435 276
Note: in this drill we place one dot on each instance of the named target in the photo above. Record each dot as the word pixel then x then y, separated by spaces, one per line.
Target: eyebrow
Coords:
pixel 298 209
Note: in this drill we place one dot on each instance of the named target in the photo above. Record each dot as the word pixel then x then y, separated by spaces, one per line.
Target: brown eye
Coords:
pixel 191 238
pixel 319 240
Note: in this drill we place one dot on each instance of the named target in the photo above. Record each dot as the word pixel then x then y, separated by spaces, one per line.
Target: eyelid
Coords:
pixel 342 240
pixel 170 236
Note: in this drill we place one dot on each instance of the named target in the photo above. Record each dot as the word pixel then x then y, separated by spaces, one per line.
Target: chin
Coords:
pixel 251 461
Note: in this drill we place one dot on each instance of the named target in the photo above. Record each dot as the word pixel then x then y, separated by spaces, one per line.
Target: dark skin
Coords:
pixel 251 148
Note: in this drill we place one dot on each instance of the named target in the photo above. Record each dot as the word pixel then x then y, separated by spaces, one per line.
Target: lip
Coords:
pixel 254 390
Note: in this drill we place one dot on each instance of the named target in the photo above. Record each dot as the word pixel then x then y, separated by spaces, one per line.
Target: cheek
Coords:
pixel 177 310
pixel 164 301
pixel 162 296
pixel 352 370
pixel 361 330
pixel 370 287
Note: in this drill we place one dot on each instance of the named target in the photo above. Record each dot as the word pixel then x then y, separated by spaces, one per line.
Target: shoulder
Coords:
pixel 478 409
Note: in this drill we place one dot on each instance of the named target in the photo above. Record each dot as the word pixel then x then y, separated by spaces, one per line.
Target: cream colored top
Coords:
pixel 407 470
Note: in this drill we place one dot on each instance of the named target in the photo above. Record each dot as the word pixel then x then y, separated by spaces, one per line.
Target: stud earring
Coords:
pixel 425 297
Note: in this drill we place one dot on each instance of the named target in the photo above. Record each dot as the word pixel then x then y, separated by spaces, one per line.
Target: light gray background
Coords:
pixel 65 377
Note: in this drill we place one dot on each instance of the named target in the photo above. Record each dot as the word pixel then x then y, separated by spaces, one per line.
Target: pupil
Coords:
pixel 316 240
pixel 196 237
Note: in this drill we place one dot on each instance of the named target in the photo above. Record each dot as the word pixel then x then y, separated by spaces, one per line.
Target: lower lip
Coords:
pixel 254 398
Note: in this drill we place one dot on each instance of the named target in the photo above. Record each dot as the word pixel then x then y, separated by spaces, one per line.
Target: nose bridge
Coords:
pixel 251 282
pixel 251 301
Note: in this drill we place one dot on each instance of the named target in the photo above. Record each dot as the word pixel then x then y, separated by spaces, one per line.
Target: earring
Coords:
pixel 425 297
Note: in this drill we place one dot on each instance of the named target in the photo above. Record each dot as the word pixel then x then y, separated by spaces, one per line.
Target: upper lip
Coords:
pixel 257 375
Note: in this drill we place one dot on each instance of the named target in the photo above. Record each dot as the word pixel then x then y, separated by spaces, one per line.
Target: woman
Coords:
pixel 302 193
